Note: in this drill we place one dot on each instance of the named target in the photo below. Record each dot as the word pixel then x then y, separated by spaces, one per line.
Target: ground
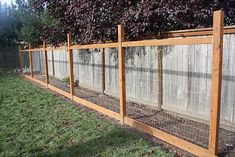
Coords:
pixel 34 122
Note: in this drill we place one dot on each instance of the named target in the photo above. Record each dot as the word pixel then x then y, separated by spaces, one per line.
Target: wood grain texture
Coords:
pixel 70 61
pixel 216 80
pixel 121 66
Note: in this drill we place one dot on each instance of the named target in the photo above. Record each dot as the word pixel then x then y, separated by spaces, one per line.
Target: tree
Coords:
pixel 96 21
pixel 32 22
pixel 8 25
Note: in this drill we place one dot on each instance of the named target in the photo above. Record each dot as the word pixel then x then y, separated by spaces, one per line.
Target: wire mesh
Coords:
pixel 175 97
pixel 88 77
pixel 38 61
pixel 24 59
pixel 227 114
pixel 58 69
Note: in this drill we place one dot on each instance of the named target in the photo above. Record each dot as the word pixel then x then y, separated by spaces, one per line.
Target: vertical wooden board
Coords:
pixel 102 72
pixel 76 64
pixel 96 68
pixel 232 89
pixel 186 52
pixel 166 77
pixel 130 71
pixel 202 90
pixel 153 78
pixel 216 81
pixel 208 83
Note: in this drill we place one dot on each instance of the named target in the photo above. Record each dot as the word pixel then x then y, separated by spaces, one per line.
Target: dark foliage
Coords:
pixel 96 21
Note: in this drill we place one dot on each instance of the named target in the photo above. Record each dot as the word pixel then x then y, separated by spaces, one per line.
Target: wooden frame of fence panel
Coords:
pixel 46 62
pixel 216 85
pixel 218 24
pixel 121 66
pixel 168 42
pixel 91 46
pixel 30 60
pixel 70 60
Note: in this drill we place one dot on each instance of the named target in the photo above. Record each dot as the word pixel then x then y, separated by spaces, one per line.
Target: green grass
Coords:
pixel 34 122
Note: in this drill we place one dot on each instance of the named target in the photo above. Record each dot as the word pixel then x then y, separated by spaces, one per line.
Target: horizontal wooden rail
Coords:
pixel 91 46
pixel 57 48
pixel 171 41
pixel 196 32
pixel 159 42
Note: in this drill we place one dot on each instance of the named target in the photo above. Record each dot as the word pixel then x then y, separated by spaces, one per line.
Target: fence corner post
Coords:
pixel 46 62
pixel 121 66
pixel 31 60
pixel 218 23
pixel 70 60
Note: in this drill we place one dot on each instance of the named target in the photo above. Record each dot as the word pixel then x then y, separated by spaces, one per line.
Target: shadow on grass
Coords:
pixel 116 142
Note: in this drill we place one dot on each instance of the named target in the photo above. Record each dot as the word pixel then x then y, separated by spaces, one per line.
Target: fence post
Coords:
pixel 20 62
pixel 121 66
pixel 70 60
pixel 160 76
pixel 46 62
pixel 218 23
pixel 30 60
pixel 103 70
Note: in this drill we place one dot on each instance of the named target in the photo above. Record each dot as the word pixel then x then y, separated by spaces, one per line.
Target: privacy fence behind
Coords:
pixel 180 75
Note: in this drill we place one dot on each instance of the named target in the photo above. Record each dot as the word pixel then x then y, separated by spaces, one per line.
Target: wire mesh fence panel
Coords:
pixel 58 69
pixel 88 77
pixel 38 61
pixel 169 87
pixel 227 114
pixel 24 60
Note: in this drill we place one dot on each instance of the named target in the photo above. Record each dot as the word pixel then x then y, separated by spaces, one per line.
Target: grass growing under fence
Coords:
pixel 34 122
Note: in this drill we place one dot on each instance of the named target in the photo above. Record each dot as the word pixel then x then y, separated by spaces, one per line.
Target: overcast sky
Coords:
pixel 7 1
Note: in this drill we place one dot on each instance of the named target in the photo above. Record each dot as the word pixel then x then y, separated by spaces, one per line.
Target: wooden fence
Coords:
pixel 214 37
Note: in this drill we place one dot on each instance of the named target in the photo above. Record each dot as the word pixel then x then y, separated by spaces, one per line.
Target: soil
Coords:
pixel 173 124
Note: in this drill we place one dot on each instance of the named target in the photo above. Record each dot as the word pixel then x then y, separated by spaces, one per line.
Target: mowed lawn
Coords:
pixel 34 122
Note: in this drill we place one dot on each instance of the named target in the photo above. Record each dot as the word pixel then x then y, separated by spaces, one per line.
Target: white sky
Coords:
pixel 7 1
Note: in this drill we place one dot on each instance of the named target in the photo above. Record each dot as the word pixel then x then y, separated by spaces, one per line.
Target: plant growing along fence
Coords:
pixel 216 39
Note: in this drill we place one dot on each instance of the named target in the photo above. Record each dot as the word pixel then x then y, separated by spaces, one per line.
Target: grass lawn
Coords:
pixel 34 122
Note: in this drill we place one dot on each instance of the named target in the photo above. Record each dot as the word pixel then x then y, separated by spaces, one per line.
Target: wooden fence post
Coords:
pixel 160 76
pixel 103 70
pixel 218 23
pixel 30 60
pixel 46 62
pixel 20 61
pixel 121 66
pixel 70 60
